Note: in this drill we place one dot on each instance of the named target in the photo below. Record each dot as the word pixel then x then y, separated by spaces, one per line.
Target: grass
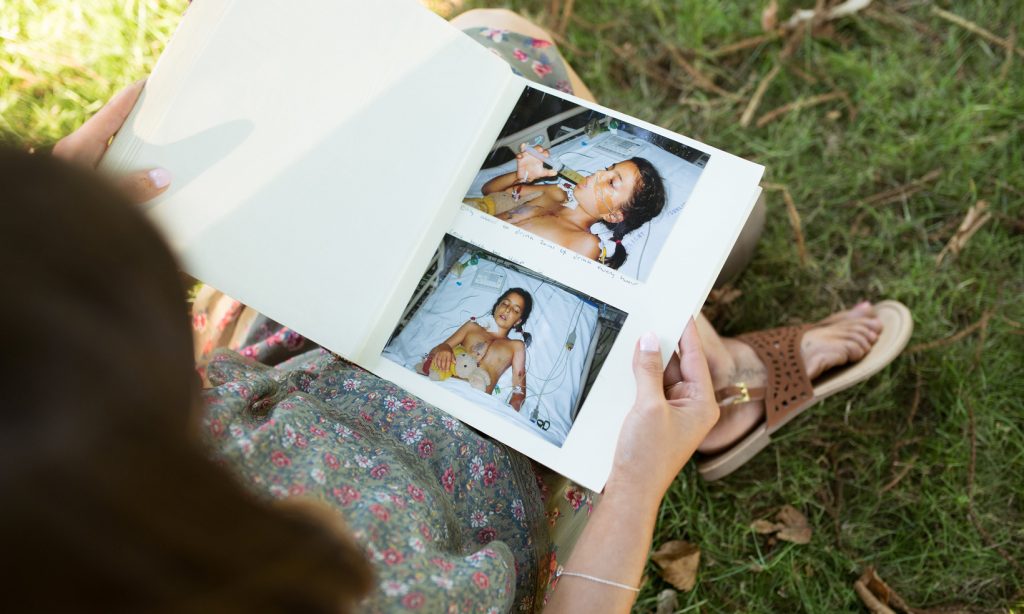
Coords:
pixel 928 95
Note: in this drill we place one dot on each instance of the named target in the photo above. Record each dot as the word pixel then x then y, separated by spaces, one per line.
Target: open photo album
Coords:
pixel 493 246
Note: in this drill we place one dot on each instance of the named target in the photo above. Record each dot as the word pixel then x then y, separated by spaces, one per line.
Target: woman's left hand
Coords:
pixel 87 145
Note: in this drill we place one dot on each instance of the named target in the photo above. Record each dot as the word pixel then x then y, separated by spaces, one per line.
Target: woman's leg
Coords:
pixel 504 19
pixel 843 337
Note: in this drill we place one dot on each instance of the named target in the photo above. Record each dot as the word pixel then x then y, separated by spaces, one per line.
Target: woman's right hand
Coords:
pixel 529 168
pixel 666 425
pixel 442 357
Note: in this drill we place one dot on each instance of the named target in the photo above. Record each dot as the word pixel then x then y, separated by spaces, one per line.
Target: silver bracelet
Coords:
pixel 560 571
pixel 518 389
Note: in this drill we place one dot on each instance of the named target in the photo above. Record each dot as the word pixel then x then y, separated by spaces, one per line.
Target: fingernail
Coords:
pixel 649 342
pixel 160 177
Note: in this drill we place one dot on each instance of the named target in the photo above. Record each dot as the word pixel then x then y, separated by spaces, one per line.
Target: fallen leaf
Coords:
pixel 764 526
pixel 678 561
pixel 795 528
pixel 975 218
pixel 668 602
pixel 790 526
pixel 770 16
pixel 877 595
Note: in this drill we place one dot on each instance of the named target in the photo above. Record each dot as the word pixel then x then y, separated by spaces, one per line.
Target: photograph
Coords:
pixel 506 338
pixel 595 184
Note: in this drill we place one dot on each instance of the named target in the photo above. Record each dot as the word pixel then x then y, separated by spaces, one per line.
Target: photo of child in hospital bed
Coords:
pixel 508 339
pixel 484 355
pixel 591 183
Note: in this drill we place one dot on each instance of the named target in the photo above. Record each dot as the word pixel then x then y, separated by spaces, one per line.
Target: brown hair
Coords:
pixel 108 503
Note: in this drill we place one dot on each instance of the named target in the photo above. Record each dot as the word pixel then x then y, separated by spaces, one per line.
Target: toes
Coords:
pixel 863 309
pixel 857 348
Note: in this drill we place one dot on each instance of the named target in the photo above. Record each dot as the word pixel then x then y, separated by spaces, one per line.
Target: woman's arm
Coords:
pixel 657 438
pixel 518 376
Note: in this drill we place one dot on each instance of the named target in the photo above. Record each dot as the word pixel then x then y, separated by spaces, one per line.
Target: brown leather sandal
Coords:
pixel 789 391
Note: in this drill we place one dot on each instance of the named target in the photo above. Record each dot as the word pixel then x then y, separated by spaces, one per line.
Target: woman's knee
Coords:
pixel 502 19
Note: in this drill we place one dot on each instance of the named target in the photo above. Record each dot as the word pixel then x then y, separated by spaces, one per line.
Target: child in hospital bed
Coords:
pixel 493 351
pixel 622 197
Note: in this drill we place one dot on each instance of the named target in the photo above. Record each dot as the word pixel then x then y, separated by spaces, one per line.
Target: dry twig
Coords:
pixel 794 219
pixel 900 193
pixel 931 345
pixel 902 473
pixel 916 401
pixel 976 217
pixel 563 21
pixel 891 17
pixel 974 28
pixel 755 100
pixel 699 78
pixel 819 15
pixel 742 45
pixel 796 105
pixel 1008 62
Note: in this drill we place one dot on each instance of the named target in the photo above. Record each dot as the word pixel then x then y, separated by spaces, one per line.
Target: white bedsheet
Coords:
pixel 554 375
pixel 643 244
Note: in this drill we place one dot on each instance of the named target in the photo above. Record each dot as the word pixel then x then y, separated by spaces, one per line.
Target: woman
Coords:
pixel 146 521
pixel 115 341
pixel 492 350
pixel 623 197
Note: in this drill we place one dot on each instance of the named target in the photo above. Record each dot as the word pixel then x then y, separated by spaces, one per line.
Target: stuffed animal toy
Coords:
pixel 467 369
pixel 426 366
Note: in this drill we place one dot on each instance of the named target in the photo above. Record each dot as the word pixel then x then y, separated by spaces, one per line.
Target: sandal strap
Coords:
pixel 740 393
pixel 788 388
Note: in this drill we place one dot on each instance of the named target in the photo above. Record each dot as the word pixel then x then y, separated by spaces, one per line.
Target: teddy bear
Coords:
pixel 466 368
pixel 426 367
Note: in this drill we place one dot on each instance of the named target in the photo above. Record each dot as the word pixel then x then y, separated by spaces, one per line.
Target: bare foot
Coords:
pixel 843 337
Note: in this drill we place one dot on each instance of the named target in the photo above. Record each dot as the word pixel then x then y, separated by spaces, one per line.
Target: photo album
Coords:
pixel 493 246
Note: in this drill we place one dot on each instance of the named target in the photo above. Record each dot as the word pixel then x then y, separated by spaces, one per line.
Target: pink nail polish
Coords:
pixel 649 342
pixel 160 177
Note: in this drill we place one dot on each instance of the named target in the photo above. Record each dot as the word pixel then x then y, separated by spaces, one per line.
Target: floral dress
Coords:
pixel 533 58
pixel 452 521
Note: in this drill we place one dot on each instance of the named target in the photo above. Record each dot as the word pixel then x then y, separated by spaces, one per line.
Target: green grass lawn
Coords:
pixel 920 472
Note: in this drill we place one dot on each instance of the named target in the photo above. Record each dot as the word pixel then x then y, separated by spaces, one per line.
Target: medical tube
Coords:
pixel 555 163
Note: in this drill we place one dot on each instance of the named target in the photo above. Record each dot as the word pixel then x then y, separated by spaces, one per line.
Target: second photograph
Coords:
pixel 512 341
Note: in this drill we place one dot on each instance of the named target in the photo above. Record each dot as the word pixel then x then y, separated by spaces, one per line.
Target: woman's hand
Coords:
pixel 529 168
pixel 673 412
pixel 87 145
